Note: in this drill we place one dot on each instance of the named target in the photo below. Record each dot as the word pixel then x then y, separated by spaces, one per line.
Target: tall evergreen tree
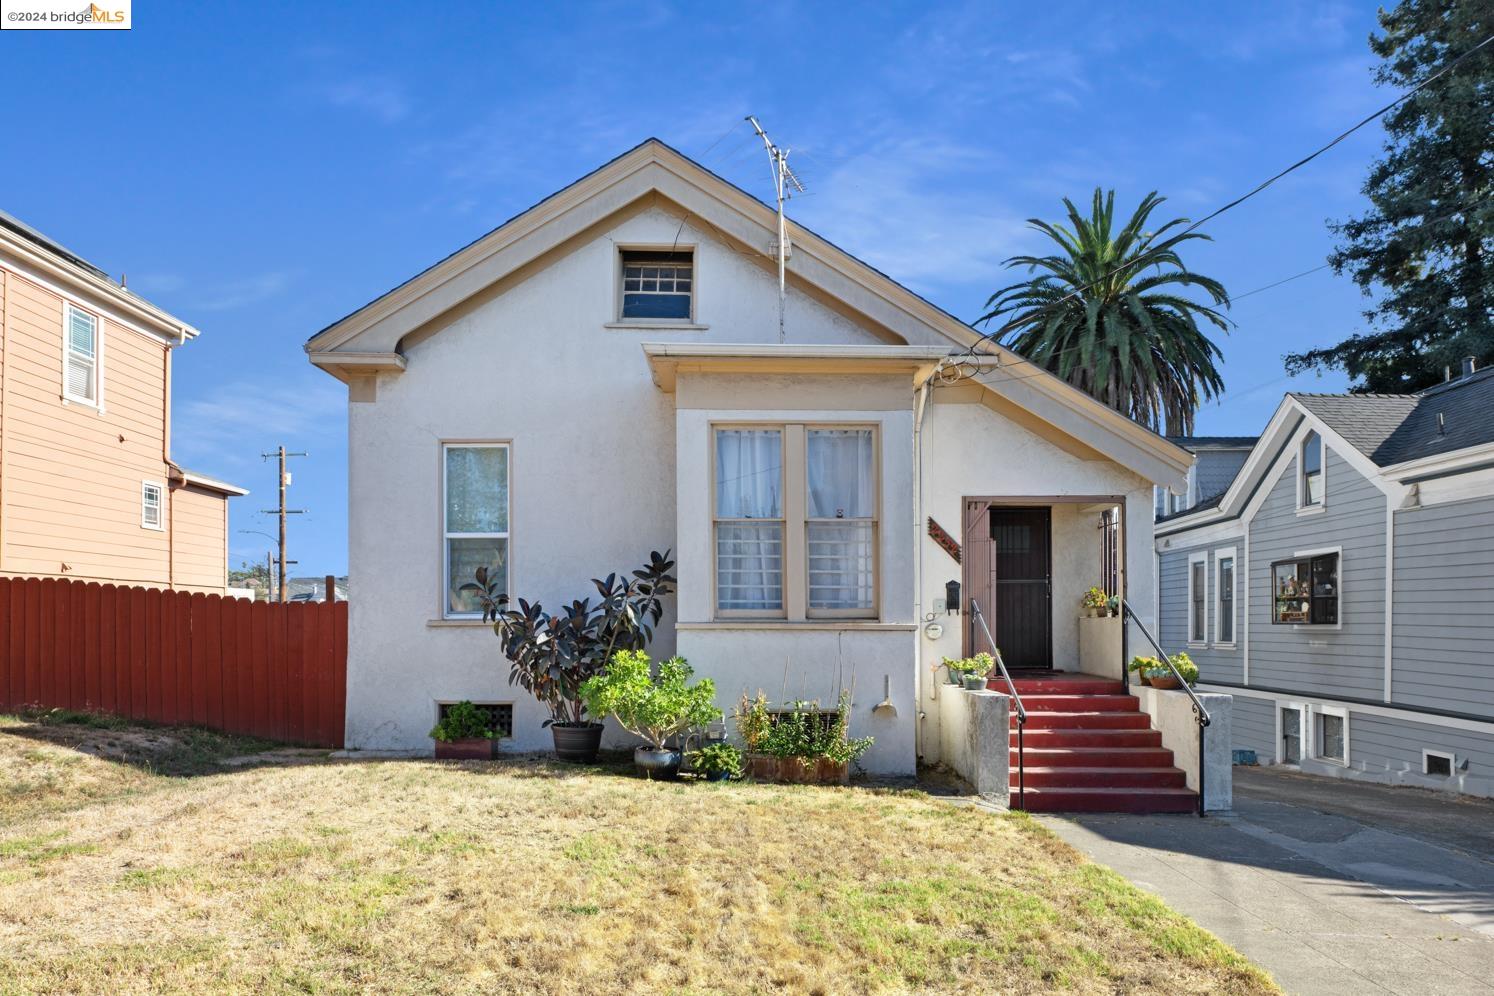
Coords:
pixel 1423 249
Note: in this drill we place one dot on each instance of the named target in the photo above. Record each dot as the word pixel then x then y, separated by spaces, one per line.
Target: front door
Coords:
pixel 1020 561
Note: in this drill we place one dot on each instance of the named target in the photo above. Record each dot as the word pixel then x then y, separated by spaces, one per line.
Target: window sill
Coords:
pixel 1310 510
pixel 807 624
pixel 1197 645
pixel 1225 646
pixel 454 623
pixel 69 401
pixel 657 326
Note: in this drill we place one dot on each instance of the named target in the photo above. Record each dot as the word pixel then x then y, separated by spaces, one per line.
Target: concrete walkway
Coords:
pixel 1331 886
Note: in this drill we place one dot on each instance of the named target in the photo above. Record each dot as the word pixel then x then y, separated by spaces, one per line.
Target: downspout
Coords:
pixel 920 408
pixel 173 472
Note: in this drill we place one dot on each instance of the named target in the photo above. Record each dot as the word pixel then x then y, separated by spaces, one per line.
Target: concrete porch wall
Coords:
pixel 1172 715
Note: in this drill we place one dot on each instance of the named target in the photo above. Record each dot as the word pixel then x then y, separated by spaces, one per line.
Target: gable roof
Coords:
pixel 369 340
pixel 1394 428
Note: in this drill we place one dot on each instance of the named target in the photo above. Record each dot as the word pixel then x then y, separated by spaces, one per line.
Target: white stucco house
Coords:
pixel 601 376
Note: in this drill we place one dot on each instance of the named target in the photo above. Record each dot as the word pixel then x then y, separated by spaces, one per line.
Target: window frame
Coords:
pixel 1201 639
pixel 1220 556
pixel 875 520
pixel 795 522
pixel 160 489
pixel 1303 506
pixel 69 398
pixel 447 536
pixel 783 521
pixel 1309 556
pixel 619 281
pixel 1448 756
pixel 1315 732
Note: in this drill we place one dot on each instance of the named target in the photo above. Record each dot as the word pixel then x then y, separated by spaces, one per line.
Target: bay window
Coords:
pixel 1305 590
pixel 475 526
pixel 795 521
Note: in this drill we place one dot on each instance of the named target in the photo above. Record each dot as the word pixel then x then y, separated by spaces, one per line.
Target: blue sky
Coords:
pixel 262 169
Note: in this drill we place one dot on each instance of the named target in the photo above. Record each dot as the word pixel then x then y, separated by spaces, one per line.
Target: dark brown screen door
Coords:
pixel 1022 576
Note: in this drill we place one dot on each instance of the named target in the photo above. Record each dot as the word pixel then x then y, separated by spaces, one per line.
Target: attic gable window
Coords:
pixel 658 285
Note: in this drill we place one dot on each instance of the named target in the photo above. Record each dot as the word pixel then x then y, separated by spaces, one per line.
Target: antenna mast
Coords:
pixel 783 177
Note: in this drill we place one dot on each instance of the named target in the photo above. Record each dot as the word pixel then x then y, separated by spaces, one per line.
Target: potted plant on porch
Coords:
pixel 551 656
pixel 1095 602
pixel 465 733
pixel 973 671
pixel 656 709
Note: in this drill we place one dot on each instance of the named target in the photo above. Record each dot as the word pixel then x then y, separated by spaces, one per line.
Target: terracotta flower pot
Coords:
pixel 577 742
pixel 466 749
pixel 1166 681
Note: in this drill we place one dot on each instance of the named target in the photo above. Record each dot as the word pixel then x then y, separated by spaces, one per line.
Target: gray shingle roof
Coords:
pixel 1394 428
pixel 32 235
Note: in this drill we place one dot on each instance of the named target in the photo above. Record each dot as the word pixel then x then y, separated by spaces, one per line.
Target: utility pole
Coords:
pixel 782 177
pixel 282 511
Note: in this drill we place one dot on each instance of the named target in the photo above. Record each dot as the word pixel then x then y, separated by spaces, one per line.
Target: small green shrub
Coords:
pixel 713 759
pixel 1095 598
pixel 801 730
pixel 655 709
pixel 463 721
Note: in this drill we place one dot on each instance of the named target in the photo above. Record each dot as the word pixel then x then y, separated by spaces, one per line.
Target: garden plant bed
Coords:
pixel 528 875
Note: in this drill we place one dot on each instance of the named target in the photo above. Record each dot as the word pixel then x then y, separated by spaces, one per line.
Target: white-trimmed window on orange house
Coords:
pixel 80 374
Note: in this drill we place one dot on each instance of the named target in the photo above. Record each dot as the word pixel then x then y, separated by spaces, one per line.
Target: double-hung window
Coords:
pixel 1310 488
pixel 1305 591
pixel 841 521
pixel 749 521
pixel 150 505
pixel 80 374
pixel 795 521
pixel 475 525
pixel 1224 588
pixel 1198 574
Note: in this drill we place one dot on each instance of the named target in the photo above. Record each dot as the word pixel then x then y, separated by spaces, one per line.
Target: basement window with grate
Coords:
pixel 500 715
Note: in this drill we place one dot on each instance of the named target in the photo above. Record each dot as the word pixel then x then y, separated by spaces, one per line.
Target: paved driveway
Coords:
pixel 1332 886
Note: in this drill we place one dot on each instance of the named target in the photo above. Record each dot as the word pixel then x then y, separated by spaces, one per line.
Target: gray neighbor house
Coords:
pixel 1341 587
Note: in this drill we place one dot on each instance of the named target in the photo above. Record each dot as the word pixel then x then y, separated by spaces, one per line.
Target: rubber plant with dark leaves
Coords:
pixel 550 656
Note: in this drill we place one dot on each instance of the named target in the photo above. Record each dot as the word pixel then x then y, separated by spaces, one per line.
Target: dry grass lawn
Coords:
pixel 130 862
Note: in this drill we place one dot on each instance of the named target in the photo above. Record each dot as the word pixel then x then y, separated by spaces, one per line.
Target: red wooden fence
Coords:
pixel 268 670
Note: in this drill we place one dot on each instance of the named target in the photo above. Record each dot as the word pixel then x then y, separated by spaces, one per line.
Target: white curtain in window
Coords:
pixel 749 555
pixel 840 474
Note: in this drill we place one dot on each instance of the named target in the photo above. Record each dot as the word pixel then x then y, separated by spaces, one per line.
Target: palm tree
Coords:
pixel 1105 315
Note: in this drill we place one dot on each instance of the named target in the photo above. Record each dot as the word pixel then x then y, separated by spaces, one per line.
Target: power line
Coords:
pixel 1249 194
pixel 1284 280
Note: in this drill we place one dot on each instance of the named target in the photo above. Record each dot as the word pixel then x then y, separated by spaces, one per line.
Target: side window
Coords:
pixel 150 505
pixel 1224 624
pixel 475 513
pixel 1310 494
pixel 1305 591
pixel 1197 590
pixel 80 375
pixel 749 521
pixel 657 285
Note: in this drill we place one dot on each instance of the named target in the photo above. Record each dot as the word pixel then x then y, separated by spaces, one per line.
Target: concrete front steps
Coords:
pixel 1089 749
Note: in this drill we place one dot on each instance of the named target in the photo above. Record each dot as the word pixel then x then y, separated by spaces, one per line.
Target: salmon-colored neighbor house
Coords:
pixel 88 489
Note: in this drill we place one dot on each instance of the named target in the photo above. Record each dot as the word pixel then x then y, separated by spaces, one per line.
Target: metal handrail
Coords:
pixel 1011 687
pixel 1200 714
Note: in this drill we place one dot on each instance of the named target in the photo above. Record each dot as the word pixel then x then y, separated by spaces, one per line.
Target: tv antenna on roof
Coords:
pixel 783 178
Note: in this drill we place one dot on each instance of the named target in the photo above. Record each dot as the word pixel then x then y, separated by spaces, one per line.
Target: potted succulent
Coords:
pixel 1095 602
pixel 1142 666
pixel 801 744
pixel 465 733
pixel 657 709
pixel 551 656
pixel 972 670
pixel 718 762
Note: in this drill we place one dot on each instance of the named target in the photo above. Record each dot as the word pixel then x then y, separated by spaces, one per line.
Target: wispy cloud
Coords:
pixel 225 430
pixel 242 292
pixel 379 96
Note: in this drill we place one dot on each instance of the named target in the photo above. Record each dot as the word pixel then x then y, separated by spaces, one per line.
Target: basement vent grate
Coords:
pixel 1437 764
pixel 500 714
